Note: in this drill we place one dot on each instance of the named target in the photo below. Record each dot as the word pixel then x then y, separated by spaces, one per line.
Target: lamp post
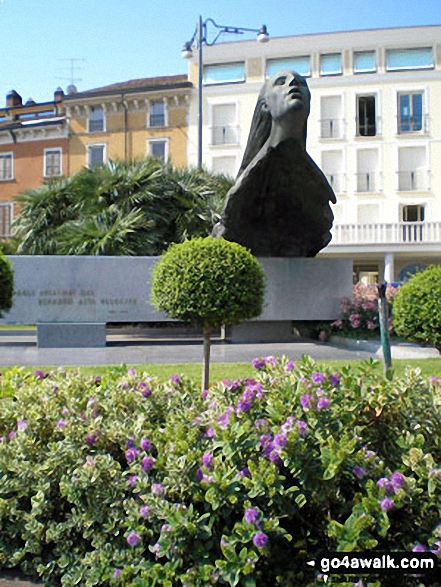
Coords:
pixel 200 36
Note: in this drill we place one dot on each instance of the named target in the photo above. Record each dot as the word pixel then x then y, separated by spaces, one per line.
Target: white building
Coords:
pixel 374 129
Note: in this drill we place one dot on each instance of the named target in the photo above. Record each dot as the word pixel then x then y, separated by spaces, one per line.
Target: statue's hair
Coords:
pixel 260 129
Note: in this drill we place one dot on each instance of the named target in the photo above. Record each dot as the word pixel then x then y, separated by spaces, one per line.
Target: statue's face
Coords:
pixel 287 94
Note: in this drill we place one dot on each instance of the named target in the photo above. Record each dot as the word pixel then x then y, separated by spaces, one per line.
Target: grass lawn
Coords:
pixel 240 370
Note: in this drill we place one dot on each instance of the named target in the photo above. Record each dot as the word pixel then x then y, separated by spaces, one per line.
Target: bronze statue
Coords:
pixel 280 203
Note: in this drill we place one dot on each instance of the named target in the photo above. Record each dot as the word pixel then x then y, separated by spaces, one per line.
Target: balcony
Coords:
pixel 331 128
pixel 337 181
pixel 413 124
pixel 409 181
pixel 368 181
pixel 224 135
pixel 387 233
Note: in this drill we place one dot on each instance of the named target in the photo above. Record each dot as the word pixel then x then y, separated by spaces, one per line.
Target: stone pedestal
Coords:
pixel 71 334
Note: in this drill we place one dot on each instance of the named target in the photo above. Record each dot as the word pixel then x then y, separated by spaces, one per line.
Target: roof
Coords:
pixel 137 85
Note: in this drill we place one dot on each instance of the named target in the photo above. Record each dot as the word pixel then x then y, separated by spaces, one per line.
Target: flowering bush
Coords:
pixel 360 315
pixel 418 308
pixel 125 481
pixel 6 283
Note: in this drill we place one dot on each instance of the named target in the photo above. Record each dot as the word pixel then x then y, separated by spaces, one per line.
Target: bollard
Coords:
pixel 384 329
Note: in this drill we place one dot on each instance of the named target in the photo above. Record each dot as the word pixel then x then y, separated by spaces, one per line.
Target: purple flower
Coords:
pixel 289 366
pixel 418 548
pixel 398 480
pixel 274 457
pixel 61 423
pixel 131 454
pixel 280 440
pixel 270 360
pixel 21 425
pixel 305 400
pixel 387 504
pixel 133 539
pixel 40 374
pixel 318 377
pixel 261 423
pixel 175 379
pixel 144 388
pixel 133 480
pixel 207 460
pixel 334 379
pixel 199 474
pixel 65 411
pixel 12 434
pixel 244 405
pixel 131 372
pixel 157 488
pixel 323 403
pixel 260 540
pixel 91 438
pixel 147 463
pixel 387 485
pixel 98 382
pixel 224 419
pixel 302 427
pixel 252 516
pixel 265 440
pixel 146 444
pixel 245 472
pixel 130 443
pixel 117 573
pixel 359 471
pixel 144 511
pixel 258 363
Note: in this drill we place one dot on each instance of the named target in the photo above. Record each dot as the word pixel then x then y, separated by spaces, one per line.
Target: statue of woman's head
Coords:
pixel 284 100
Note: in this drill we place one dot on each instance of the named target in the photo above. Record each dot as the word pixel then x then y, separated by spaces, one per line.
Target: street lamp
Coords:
pixel 200 36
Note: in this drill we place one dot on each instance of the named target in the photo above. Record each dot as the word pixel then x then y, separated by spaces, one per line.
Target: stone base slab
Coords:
pixel 71 335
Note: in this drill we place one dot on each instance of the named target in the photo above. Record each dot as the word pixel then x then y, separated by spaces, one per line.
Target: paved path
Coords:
pixel 20 348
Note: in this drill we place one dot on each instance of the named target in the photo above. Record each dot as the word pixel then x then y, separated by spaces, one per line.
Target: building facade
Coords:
pixel 374 129
pixel 33 148
pixel 129 120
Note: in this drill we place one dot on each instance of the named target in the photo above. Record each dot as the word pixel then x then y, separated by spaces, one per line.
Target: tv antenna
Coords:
pixel 74 68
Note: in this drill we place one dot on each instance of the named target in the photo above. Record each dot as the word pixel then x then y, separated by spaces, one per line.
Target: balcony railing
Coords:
pixel 331 128
pixel 157 120
pixel 413 124
pixel 367 181
pixel 337 181
pixel 409 181
pixel 224 135
pixel 386 233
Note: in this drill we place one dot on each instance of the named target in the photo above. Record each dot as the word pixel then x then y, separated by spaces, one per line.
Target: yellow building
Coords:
pixel 129 120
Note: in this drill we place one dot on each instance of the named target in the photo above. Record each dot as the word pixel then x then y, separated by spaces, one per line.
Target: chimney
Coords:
pixel 58 95
pixel 13 99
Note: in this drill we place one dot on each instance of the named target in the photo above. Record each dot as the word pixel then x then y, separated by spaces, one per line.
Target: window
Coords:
pixel 367 170
pixel 158 149
pixel 224 165
pixel 157 113
pixel 224 73
pixel 397 59
pixel 332 166
pixel 412 217
pixel 6 211
pixel 330 64
pixel 52 162
pixel 224 130
pixel 331 121
pixel 366 120
pixel 96 119
pixel 300 64
pixel 95 155
pixel 6 166
pixel 364 62
pixel 412 169
pixel 410 112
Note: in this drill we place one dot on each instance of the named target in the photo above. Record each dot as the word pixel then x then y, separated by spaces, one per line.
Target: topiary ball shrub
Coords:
pixel 208 282
pixel 122 480
pixel 417 308
pixel 6 284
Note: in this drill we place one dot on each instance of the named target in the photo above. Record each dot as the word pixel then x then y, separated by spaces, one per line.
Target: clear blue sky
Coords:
pixel 118 40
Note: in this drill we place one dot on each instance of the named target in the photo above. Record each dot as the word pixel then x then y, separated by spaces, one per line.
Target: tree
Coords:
pixel 208 282
pixel 121 208
pixel 6 284
pixel 417 308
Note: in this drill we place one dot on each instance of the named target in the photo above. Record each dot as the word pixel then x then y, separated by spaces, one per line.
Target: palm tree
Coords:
pixel 121 208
